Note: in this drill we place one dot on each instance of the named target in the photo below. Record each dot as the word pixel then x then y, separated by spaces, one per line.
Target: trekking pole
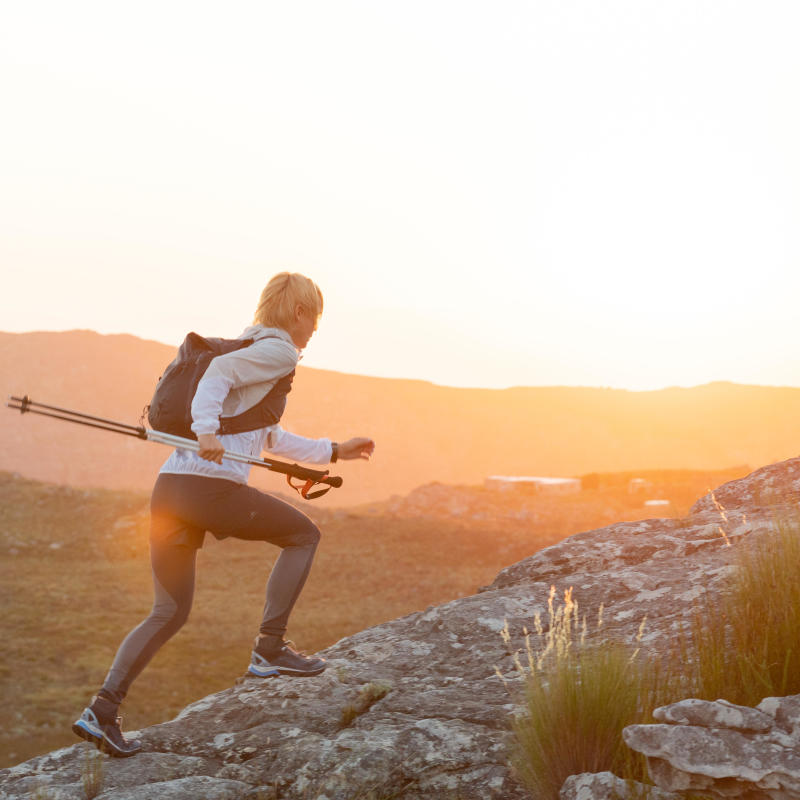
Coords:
pixel 312 477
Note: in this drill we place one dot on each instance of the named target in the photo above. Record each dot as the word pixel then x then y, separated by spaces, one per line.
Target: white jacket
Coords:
pixel 233 383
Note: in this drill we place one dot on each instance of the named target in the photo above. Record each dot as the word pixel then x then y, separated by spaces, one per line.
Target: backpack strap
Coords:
pixel 267 411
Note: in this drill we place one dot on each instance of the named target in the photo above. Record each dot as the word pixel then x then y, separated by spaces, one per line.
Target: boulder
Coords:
pixel 724 750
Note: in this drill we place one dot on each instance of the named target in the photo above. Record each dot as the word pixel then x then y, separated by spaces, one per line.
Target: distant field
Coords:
pixel 75 577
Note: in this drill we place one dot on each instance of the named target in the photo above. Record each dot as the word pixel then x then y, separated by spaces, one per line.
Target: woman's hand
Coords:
pixel 210 447
pixel 359 447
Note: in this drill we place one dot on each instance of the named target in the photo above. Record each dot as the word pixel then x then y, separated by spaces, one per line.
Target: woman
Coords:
pixel 199 492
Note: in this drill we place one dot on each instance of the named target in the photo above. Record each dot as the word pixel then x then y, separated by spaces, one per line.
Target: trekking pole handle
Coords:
pixel 296 471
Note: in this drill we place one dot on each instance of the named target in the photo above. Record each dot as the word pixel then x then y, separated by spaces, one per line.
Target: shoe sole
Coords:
pixel 290 673
pixel 100 742
pixel 253 672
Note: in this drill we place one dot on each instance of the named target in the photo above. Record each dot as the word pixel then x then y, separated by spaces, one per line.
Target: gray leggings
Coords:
pixel 183 508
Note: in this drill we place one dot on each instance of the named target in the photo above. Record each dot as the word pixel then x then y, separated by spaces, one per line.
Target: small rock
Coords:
pixel 717 714
pixel 607 786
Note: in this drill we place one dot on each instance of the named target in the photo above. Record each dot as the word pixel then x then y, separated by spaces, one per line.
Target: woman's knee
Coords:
pixel 178 621
pixel 308 534
pixel 168 619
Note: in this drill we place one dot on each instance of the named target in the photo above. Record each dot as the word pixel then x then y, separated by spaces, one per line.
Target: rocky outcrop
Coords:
pixel 723 749
pixel 772 488
pixel 441 729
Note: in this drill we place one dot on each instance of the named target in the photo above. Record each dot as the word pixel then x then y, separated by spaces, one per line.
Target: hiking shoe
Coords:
pixel 284 660
pixel 104 731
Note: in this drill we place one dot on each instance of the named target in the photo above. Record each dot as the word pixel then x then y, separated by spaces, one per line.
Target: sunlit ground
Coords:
pixel 75 578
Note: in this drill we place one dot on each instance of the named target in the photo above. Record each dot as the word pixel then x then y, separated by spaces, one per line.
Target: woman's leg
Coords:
pixel 273 520
pixel 183 507
pixel 236 510
pixel 271 654
pixel 173 580
pixel 229 509
pixel 286 581
pixel 173 547
pixel 173 550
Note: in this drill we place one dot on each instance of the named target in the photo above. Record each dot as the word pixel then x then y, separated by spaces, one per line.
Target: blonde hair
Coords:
pixel 282 295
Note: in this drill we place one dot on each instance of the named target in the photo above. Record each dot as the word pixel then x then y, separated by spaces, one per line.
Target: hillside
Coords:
pixel 63 550
pixel 424 432
pixel 448 681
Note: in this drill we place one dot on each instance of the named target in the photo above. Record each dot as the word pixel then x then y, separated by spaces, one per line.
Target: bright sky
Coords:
pixel 579 192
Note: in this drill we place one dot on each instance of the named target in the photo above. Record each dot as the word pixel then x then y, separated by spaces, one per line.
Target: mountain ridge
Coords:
pixel 424 431
pixel 423 381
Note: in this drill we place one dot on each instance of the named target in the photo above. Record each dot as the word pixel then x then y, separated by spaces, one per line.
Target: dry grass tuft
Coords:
pixel 92 773
pixel 369 694
pixel 577 698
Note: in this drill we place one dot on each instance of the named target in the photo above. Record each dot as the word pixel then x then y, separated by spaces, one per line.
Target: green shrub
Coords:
pixel 745 642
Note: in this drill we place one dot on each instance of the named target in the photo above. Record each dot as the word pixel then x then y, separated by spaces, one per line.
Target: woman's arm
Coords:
pixel 316 451
pixel 301 448
pixel 358 447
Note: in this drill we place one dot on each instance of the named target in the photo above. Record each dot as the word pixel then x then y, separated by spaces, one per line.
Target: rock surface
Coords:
pixel 442 729
pixel 607 786
pixel 725 750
